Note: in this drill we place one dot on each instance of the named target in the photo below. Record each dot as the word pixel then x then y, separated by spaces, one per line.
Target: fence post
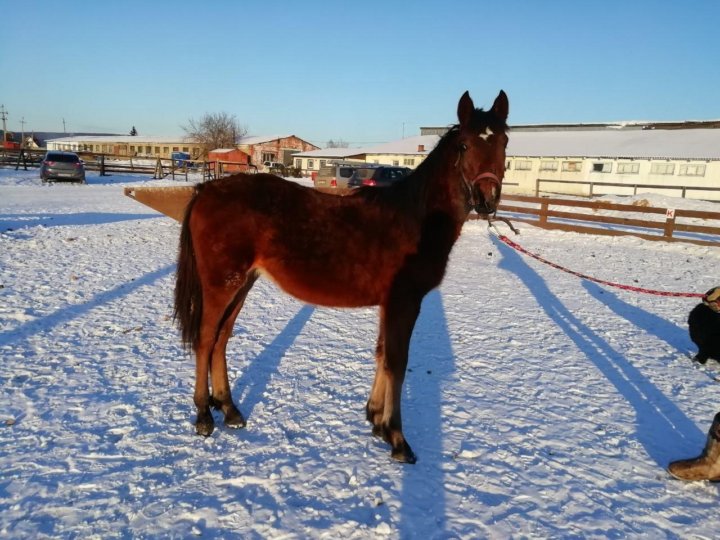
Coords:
pixel 669 223
pixel 102 164
pixel 537 187
pixel 544 206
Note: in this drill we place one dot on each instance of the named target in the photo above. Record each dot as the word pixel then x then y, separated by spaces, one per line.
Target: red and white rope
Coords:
pixel 521 249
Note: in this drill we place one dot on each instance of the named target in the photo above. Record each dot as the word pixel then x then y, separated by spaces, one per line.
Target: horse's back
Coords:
pixel 321 248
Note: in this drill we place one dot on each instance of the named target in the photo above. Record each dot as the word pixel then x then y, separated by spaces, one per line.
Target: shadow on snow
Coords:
pixel 661 427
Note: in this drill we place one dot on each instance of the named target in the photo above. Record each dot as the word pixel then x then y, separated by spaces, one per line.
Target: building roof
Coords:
pixel 259 139
pixel 330 153
pixel 410 146
pixel 608 143
pixel 135 139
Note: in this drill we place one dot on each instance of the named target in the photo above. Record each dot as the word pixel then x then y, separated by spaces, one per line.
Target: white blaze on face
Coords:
pixel 485 136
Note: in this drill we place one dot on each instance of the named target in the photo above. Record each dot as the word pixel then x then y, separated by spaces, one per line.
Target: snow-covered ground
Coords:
pixel 539 405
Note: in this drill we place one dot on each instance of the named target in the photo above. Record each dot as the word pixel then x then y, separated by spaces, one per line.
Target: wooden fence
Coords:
pixel 619 188
pixel 107 164
pixel 599 217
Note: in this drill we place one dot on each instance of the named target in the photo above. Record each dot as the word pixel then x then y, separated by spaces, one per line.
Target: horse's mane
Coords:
pixel 410 193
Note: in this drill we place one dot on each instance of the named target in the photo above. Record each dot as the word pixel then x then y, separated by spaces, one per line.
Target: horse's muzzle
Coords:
pixel 486 193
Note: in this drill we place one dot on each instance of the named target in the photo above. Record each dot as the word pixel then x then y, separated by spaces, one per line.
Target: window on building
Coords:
pixel 410 162
pixel 176 148
pixel 298 163
pixel 157 150
pixel 166 150
pixel 268 156
pixel 523 165
pixel 507 165
pixel 692 169
pixel 628 168
pixel 572 166
pixel 548 165
pixel 396 162
pixel 186 149
pixel 311 162
pixel 132 149
pixel 662 168
pixel 148 150
pixel 602 167
pixel 323 162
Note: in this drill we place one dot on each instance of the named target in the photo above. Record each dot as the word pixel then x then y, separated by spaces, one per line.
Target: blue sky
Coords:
pixel 364 72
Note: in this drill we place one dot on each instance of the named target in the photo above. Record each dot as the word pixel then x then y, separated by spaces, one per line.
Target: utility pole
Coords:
pixel 22 131
pixel 3 114
pixel 64 126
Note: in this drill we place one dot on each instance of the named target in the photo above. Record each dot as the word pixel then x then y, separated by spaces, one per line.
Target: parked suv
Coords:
pixel 62 166
pixel 336 175
pixel 378 176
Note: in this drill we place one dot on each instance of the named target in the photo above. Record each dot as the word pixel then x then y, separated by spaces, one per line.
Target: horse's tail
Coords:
pixel 188 291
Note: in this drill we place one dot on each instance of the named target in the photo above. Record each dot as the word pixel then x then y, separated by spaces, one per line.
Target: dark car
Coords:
pixel 381 175
pixel 62 166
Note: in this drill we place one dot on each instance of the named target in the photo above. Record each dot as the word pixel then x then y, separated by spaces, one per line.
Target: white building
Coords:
pixel 654 160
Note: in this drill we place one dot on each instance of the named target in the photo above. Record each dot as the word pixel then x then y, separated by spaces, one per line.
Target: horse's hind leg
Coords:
pixel 217 304
pixel 221 397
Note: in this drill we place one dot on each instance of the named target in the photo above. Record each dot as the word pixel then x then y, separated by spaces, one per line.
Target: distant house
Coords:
pixel 127 145
pixel 275 148
pixel 409 152
pixel 309 162
pixel 233 159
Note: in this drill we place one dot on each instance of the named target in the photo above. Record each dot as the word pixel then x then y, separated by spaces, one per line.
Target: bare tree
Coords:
pixel 215 130
pixel 339 143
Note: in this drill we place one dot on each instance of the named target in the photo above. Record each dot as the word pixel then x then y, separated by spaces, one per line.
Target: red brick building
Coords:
pixel 279 149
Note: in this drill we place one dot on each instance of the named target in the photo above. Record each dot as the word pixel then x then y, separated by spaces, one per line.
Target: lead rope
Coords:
pixel 518 247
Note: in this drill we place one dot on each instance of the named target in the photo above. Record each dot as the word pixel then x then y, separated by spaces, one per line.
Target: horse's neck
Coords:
pixel 444 191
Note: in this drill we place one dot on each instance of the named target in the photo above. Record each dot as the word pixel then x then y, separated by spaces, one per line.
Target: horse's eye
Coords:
pixel 463 147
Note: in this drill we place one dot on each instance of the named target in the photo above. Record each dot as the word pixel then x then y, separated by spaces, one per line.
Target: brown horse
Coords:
pixel 384 246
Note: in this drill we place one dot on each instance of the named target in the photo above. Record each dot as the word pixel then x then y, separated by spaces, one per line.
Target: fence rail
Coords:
pixel 624 186
pixel 670 225
pixel 107 164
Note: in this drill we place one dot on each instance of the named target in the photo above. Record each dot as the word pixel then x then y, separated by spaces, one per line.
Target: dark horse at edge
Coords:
pixel 384 246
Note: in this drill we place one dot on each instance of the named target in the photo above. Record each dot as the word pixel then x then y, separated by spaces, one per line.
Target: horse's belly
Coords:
pixel 325 289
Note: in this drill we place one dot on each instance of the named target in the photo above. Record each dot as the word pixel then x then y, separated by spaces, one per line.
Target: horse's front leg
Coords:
pixel 401 313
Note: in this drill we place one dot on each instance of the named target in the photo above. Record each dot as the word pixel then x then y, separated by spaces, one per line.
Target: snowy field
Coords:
pixel 539 405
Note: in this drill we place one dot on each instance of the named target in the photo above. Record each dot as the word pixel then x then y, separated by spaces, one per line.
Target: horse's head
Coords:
pixel 481 146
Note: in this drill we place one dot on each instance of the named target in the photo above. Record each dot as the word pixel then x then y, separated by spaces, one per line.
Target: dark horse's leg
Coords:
pixel 397 318
pixel 219 304
pixel 221 397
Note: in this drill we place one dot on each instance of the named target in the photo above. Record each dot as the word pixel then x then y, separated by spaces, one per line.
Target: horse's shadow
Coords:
pixel 661 427
pixel 21 221
pixel 672 334
pixel 64 315
pixel 253 382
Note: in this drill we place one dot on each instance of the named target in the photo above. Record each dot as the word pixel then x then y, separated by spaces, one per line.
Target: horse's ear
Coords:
pixel 501 107
pixel 466 108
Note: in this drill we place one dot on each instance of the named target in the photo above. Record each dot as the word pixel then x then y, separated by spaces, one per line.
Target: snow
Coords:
pixel 539 405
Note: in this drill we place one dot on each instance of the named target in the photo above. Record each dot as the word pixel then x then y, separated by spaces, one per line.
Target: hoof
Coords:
pixel 205 425
pixel 700 359
pixel 235 419
pixel 404 454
